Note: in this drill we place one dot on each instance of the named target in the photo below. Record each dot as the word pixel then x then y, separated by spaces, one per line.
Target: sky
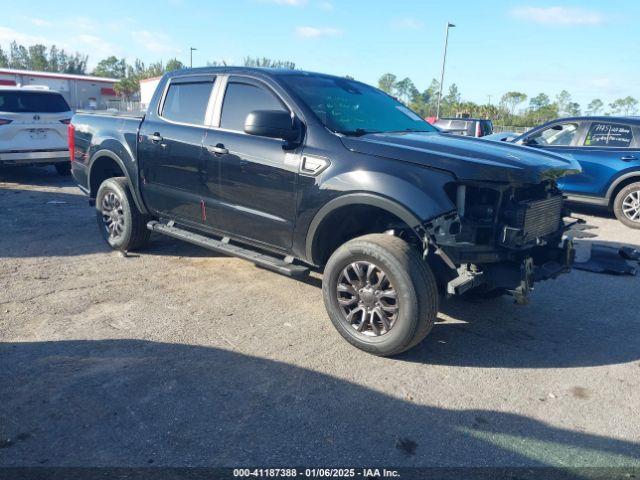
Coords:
pixel 590 48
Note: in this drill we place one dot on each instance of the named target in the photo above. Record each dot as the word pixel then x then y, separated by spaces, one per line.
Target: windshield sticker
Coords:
pixel 609 135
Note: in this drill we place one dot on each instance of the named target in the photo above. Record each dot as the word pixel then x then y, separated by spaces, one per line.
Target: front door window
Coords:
pixel 558 135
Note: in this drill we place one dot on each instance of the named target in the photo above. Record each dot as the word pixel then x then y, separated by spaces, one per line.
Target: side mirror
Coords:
pixel 272 124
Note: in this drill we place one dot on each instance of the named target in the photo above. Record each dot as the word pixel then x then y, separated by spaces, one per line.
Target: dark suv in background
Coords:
pixel 469 127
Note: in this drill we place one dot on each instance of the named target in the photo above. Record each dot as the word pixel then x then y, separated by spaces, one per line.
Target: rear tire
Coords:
pixel 626 205
pixel 63 169
pixel 122 225
pixel 404 272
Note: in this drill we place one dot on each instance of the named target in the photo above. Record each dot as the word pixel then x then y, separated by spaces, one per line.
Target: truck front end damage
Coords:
pixel 501 237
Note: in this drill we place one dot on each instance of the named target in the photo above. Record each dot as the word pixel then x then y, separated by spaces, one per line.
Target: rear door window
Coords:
pixel 243 98
pixel 32 102
pixel 186 102
pixel 604 134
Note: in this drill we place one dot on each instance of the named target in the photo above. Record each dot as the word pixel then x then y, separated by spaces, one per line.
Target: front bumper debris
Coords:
pixel 501 237
pixel 517 278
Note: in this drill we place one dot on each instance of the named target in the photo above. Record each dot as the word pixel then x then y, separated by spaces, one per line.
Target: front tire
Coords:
pixel 626 205
pixel 380 294
pixel 122 225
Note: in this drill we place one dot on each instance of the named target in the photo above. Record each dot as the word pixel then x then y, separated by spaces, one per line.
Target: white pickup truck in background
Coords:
pixel 33 128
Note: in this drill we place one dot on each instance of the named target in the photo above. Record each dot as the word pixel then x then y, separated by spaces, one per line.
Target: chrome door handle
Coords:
pixel 218 149
pixel 155 137
pixel 628 158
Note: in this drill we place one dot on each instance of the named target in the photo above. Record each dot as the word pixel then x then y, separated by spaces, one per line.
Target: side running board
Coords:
pixel 223 246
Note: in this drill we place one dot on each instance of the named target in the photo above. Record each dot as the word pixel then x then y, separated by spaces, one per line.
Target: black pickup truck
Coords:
pixel 297 171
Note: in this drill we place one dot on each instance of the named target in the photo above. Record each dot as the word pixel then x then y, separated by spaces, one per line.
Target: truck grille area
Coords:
pixel 528 221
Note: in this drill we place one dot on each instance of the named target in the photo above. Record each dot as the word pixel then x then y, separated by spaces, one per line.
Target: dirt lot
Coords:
pixel 175 356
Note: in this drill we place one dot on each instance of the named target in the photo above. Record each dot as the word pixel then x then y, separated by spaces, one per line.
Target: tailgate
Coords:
pixel 33 132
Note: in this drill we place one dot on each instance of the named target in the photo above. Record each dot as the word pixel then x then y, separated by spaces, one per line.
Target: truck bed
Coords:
pixel 113 113
pixel 100 134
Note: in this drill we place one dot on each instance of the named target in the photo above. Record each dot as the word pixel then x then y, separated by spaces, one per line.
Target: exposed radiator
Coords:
pixel 532 219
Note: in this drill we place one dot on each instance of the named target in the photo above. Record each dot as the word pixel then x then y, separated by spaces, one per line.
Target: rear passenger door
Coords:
pixel 170 148
pixel 255 191
pixel 607 149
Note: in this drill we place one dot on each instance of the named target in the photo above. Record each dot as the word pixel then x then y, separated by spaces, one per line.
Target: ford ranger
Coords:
pixel 297 171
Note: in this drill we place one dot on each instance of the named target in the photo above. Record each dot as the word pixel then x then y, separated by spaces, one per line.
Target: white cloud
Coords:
pixel 558 15
pixel 326 6
pixel 98 48
pixel 8 35
pixel 38 22
pixel 155 42
pixel 316 32
pixel 407 23
pixel 601 82
pixel 84 23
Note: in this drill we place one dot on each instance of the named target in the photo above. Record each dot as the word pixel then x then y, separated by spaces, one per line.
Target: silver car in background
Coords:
pixel 468 127
pixel 33 128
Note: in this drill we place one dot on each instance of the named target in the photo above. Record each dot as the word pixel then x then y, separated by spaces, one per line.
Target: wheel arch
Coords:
pixel 619 183
pixel 106 164
pixel 336 209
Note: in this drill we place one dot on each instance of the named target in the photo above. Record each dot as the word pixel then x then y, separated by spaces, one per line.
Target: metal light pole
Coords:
pixel 191 49
pixel 444 61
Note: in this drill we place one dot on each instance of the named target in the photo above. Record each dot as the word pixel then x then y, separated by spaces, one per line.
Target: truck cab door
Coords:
pixel 255 192
pixel 170 149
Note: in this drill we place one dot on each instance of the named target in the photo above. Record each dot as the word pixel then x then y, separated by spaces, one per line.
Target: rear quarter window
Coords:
pixel 32 102
pixel 603 134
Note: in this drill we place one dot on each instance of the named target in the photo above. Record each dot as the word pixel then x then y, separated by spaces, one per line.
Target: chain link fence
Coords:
pixel 509 128
pixel 119 107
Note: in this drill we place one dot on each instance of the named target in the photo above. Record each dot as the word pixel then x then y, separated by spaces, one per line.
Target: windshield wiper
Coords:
pixel 358 132
pixel 408 130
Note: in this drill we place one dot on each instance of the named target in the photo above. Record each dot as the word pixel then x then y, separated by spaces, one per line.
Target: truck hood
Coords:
pixel 465 157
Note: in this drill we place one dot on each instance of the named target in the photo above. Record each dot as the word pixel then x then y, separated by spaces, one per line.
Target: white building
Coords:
pixel 147 88
pixel 80 91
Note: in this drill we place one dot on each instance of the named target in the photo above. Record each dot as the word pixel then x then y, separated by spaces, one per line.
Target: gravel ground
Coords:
pixel 175 356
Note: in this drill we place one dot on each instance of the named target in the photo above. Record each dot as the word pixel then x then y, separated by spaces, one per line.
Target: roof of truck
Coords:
pixel 258 70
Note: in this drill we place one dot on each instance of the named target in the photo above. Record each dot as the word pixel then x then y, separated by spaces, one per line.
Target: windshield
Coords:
pixel 32 102
pixel 353 108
